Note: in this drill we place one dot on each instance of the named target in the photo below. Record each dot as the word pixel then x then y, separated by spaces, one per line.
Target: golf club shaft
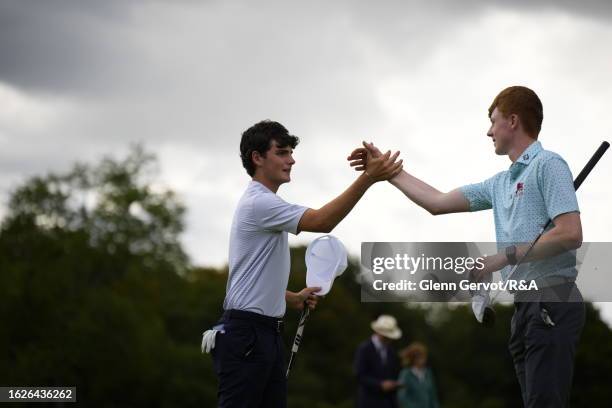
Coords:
pixel 298 337
pixel 589 166
pixel 579 179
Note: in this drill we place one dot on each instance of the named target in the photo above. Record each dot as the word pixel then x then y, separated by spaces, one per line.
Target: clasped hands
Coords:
pixel 374 164
pixel 362 157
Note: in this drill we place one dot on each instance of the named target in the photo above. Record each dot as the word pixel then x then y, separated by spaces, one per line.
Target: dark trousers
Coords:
pixel 543 353
pixel 249 361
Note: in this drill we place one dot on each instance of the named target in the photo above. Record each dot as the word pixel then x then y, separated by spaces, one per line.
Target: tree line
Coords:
pixel 97 292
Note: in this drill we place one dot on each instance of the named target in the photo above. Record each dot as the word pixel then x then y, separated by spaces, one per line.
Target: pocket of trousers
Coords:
pixel 241 340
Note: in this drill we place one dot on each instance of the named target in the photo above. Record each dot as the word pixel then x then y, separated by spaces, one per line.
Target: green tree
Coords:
pixel 94 292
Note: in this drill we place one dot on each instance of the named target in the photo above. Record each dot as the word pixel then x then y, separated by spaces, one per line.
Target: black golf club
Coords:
pixel 488 319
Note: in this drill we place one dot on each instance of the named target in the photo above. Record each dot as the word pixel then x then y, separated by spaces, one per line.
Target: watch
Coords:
pixel 511 254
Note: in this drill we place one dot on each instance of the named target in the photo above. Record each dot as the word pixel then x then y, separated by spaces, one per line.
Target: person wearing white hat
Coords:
pixel 377 366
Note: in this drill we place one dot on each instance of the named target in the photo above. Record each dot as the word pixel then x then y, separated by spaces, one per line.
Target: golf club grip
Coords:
pixel 298 337
pixel 592 162
pixel 300 330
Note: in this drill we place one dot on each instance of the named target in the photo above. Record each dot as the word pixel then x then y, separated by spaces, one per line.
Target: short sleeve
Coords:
pixel 274 214
pixel 479 195
pixel 557 187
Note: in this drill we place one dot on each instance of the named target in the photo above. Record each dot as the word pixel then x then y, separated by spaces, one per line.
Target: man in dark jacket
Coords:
pixel 377 366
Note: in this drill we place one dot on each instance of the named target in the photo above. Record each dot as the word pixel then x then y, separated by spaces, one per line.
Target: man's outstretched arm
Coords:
pixel 426 196
pixel 421 193
pixel 327 217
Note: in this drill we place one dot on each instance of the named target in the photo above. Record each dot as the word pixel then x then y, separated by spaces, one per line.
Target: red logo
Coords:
pixel 519 189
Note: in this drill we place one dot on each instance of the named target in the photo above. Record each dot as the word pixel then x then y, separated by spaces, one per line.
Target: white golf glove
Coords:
pixel 480 301
pixel 208 340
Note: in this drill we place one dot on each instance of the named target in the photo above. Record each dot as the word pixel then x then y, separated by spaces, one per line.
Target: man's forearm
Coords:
pixel 552 243
pixel 421 193
pixel 337 209
pixel 564 236
pixel 291 299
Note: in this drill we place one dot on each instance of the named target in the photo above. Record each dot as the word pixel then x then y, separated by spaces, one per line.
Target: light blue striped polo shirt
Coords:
pixel 538 186
pixel 259 259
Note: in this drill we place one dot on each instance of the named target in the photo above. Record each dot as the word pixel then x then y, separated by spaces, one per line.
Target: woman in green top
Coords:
pixel 417 389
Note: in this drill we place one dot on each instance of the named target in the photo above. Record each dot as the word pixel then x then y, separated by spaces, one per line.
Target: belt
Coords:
pixel 274 323
pixel 548 281
pixel 561 290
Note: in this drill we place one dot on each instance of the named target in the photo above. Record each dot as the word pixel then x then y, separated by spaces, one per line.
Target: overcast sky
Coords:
pixel 82 79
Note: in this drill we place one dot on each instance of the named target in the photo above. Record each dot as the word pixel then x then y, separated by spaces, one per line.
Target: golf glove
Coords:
pixel 208 340
pixel 480 301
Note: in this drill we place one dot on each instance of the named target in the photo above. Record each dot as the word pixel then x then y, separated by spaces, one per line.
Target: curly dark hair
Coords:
pixel 257 138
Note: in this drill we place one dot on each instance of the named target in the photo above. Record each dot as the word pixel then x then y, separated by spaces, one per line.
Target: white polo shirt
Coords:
pixel 259 262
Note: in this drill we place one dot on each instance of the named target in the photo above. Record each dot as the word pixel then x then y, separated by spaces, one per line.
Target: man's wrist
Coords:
pixel 511 255
pixel 367 179
pixel 394 180
pixel 504 262
pixel 290 299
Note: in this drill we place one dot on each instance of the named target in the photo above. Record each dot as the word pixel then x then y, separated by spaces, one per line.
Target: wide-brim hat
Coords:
pixel 386 326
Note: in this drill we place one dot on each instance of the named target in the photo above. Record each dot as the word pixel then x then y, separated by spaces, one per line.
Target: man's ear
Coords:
pixel 514 121
pixel 257 158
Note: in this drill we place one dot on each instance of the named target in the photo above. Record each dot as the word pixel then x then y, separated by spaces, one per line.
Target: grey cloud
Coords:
pixel 96 47
pixel 599 9
pixel 59 46
pixel 199 73
pixel 195 75
pixel 193 84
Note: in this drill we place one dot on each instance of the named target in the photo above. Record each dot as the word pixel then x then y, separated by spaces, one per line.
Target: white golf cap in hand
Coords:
pixel 326 259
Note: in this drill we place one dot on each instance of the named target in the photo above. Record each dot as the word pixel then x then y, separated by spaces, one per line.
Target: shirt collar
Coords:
pixel 260 186
pixel 525 158
pixel 419 372
pixel 529 153
pixel 377 343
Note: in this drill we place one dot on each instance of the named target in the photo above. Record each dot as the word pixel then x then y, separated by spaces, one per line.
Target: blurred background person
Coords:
pixel 417 386
pixel 377 366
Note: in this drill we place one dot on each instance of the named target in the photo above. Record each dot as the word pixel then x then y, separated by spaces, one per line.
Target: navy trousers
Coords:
pixel 249 360
pixel 543 345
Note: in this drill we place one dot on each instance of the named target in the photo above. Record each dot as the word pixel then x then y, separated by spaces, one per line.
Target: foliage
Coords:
pixel 97 293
